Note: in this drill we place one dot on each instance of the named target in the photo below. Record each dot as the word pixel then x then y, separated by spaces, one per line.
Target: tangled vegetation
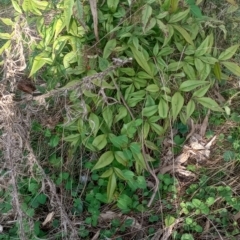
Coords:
pixel 105 153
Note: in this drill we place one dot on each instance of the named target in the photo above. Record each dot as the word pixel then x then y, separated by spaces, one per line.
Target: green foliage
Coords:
pixel 117 120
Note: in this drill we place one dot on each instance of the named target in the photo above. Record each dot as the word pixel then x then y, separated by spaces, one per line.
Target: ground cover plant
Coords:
pixel 99 154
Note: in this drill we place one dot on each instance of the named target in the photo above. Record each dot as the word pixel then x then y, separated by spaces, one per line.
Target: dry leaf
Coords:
pixel 182 158
pixel 95 237
pixel 210 143
pixel 236 216
pixel 48 218
pixel 233 2
pixel 93 6
pixel 109 215
pixel 204 124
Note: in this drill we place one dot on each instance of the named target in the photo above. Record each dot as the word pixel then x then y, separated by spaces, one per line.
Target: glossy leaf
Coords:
pixel 111 44
pixel 105 160
pixel 228 53
pixel 209 103
pixel 189 85
pixel 177 104
pixel 112 184
pixel 233 67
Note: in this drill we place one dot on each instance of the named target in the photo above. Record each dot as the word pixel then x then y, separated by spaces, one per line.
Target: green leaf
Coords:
pixel 201 91
pixel 103 63
pixel 178 16
pixel 5 46
pixel 233 67
pixel 7 21
pixel 112 183
pixel 157 128
pixel 5 36
pixel 191 84
pixel 68 10
pixel 107 173
pixel 146 14
pixel 141 60
pixel 93 121
pixel 184 34
pixel 72 138
pixel 120 157
pixel 119 141
pixel 209 103
pixel 196 11
pixel 108 116
pixel 129 71
pixel 100 142
pixel 135 148
pixel 152 88
pixel 122 112
pixel 199 65
pixel 41 198
pixel 169 220
pixel 177 104
pixel 54 140
pixel 175 66
pixel 119 173
pixel 190 109
pixel 16 6
pixel 105 160
pixel 189 70
pixel 151 145
pixel 112 5
pixel 111 44
pixel 203 48
pixel 163 108
pixel 146 128
pixel 169 33
pixel 217 71
pixel 208 60
pixel 228 53
pixel 39 61
pixel 149 111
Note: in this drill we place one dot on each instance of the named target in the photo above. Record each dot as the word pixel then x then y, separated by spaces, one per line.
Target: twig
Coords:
pixel 151 172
